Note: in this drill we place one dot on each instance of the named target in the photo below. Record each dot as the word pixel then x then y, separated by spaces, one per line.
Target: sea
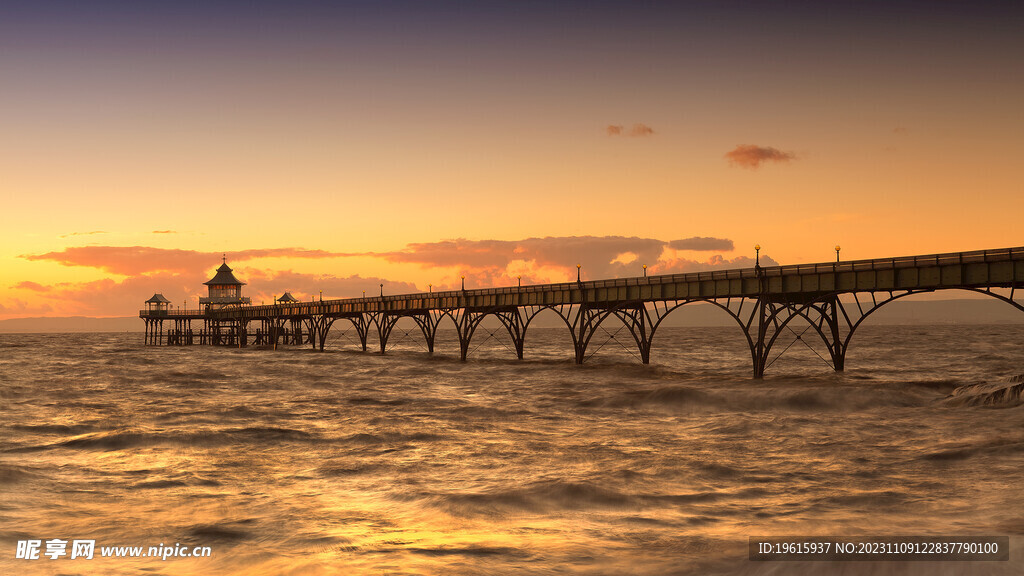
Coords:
pixel 300 462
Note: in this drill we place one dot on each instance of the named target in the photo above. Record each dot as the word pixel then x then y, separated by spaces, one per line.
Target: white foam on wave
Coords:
pixel 1003 394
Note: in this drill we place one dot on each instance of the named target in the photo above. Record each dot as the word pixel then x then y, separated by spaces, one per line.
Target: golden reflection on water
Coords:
pixel 337 463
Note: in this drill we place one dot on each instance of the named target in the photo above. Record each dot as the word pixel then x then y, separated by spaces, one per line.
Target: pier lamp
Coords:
pixel 321 295
pixel 757 254
pixel 645 270
pixel 430 288
pixel 578 266
pixel 837 253
pixel 519 281
pixel 382 290
pixel 364 293
pixel 463 283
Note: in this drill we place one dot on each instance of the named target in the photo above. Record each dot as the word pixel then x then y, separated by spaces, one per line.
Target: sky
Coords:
pixel 335 146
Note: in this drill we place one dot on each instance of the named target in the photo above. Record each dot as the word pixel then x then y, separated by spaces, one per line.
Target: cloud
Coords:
pixel 265 285
pixel 84 233
pixel 716 262
pixel 135 260
pixel 637 130
pixel 108 297
pixel 179 274
pixel 597 254
pixel 751 156
pixel 165 231
pixel 553 258
pixel 702 243
pixel 15 307
pixel 641 130
pixel 29 285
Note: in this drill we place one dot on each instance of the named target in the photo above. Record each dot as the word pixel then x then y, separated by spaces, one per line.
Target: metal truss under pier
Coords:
pixel 830 299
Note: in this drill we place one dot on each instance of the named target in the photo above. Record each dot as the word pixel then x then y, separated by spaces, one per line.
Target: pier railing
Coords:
pixel 173 313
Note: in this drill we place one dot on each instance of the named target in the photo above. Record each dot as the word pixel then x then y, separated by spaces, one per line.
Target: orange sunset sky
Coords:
pixel 407 143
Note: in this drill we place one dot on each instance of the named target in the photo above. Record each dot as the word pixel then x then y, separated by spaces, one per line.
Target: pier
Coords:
pixel 830 300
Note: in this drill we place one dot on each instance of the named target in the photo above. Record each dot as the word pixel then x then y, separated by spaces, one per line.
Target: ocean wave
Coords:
pixel 548 495
pixel 14 474
pixel 796 398
pixel 391 438
pixel 221 533
pixel 364 401
pixel 443 551
pixel 536 497
pixel 55 428
pixel 962 451
pixel 332 470
pixel 470 551
pixel 127 439
pixel 1003 394
pixel 159 484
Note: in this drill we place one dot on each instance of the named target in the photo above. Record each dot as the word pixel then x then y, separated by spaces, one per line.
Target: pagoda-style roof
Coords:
pixel 224 277
pixel 287 298
pixel 158 299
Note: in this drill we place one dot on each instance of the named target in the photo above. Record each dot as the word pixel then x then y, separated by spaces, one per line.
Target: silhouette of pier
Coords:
pixel 831 299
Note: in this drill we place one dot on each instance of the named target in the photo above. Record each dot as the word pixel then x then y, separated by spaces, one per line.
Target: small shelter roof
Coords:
pixel 158 299
pixel 224 276
pixel 287 297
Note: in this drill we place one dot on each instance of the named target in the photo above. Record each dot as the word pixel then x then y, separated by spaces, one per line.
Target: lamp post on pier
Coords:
pixel 837 253
pixel 645 270
pixel 578 266
pixel 757 255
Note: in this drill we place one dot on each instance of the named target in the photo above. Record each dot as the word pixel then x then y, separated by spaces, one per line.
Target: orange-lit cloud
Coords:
pixel 596 253
pixel 134 260
pixel 751 156
pixel 179 274
pixel 29 285
pixel 108 297
pixel 702 243
pixel 637 130
pixel 83 233
pixel 716 262
pixel 553 259
pixel 16 307
pixel 641 130
pixel 267 284
pixel 165 231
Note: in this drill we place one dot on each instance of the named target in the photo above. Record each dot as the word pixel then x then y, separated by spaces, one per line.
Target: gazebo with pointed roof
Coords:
pixel 287 298
pixel 158 303
pixel 224 289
